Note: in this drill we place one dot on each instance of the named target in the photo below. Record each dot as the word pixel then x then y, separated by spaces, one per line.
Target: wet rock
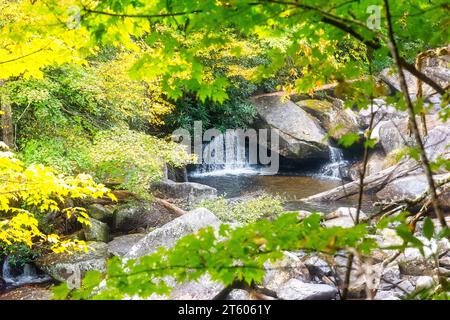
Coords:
pixel 190 193
pixel 73 267
pixel 295 289
pixel 120 246
pixel 176 174
pixel 301 136
pixel 141 216
pixel 168 234
pixel 97 231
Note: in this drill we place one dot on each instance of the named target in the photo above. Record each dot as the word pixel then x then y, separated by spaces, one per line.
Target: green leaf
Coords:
pixel 407 236
pixel 60 292
pixel 349 139
pixel 428 228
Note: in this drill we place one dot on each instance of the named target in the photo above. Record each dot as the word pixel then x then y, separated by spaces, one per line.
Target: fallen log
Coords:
pixel 169 206
pixel 372 183
pixel 124 195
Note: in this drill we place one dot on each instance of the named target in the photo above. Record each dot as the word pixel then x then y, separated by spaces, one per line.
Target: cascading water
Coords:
pixel 337 165
pixel 28 275
pixel 225 155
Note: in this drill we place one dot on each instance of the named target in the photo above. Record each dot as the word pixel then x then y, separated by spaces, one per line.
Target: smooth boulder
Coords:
pixel 141 216
pixel 171 232
pixel 190 193
pixel 297 290
pixel 120 246
pixel 301 136
pixel 333 117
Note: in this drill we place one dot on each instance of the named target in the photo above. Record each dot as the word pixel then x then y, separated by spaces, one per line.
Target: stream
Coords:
pixel 16 277
pixel 236 179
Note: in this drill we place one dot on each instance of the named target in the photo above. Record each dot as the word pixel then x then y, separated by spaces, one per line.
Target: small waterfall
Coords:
pixel 337 166
pixel 28 275
pixel 225 154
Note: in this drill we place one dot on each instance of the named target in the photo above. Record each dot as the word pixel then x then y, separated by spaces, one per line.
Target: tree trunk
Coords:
pixel 7 126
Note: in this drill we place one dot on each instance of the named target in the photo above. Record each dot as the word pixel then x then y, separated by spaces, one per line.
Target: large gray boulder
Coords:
pixel 190 193
pixel 168 234
pixel 333 117
pixel 72 267
pixel 301 136
pixel 411 187
pixel 120 246
pixel 141 217
pixel 297 290
pixel 408 187
pixel 394 135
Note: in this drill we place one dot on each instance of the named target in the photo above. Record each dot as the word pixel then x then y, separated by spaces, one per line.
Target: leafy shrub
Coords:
pixel 134 159
pixel 67 154
pixel 247 211
pixel 29 192
pixel 20 254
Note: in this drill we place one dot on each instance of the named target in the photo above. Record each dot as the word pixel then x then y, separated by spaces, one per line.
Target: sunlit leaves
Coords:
pixel 26 191
pixel 134 159
pixel 347 140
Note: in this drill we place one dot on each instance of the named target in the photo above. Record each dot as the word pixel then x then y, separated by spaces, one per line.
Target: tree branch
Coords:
pixel 412 117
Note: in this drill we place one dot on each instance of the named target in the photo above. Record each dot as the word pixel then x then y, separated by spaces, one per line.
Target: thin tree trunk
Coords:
pixel 7 127
pixel 412 117
pixel 419 92
pixel 351 257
